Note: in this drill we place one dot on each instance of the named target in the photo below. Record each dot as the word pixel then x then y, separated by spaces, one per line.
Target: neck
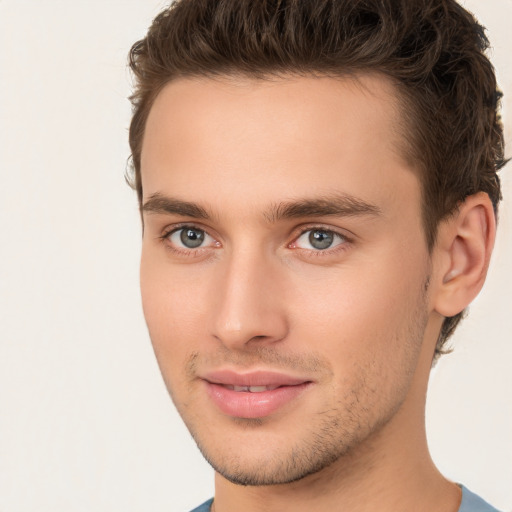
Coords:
pixel 399 478
pixel 395 480
pixel 392 471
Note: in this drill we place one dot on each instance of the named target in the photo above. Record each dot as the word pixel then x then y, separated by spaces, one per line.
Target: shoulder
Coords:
pixel 205 507
pixel 473 503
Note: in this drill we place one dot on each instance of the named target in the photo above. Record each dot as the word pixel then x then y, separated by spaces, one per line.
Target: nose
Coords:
pixel 250 303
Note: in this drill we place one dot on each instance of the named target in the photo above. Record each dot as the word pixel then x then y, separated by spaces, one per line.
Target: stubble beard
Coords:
pixel 317 450
pixel 338 434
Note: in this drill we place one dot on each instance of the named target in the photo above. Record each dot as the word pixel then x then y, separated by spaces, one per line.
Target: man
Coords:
pixel 318 188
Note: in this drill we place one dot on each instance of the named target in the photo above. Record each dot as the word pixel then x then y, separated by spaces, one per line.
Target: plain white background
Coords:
pixel 85 420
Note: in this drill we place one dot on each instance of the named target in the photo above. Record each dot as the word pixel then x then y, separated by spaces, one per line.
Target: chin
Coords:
pixel 275 472
pixel 270 460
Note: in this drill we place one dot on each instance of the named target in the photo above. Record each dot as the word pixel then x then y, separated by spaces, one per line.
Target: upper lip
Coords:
pixel 252 378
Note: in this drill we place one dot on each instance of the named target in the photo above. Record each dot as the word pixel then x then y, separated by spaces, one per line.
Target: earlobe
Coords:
pixel 465 243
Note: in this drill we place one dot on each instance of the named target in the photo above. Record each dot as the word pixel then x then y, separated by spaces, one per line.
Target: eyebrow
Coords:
pixel 157 203
pixel 340 205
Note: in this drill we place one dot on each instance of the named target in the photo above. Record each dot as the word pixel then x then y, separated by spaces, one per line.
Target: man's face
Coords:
pixel 284 269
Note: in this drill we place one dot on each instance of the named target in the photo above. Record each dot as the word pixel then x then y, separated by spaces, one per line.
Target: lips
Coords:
pixel 255 394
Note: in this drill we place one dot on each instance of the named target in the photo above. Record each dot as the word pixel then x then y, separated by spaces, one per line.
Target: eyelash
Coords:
pixel 343 246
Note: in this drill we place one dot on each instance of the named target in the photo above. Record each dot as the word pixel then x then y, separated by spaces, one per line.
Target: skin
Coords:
pixel 359 319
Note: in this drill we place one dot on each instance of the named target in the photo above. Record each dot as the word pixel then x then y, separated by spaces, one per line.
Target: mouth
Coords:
pixel 250 389
pixel 254 394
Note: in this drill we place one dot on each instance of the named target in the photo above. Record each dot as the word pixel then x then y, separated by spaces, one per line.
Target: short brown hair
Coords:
pixel 432 50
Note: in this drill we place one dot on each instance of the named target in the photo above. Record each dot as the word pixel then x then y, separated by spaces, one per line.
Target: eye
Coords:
pixel 189 238
pixel 319 240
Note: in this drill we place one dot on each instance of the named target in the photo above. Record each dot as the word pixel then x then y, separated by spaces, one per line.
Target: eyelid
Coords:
pixel 344 233
pixel 166 231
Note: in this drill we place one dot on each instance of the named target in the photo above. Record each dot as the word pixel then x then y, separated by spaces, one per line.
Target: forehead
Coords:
pixel 274 138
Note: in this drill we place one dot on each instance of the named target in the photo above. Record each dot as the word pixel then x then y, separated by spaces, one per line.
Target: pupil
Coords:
pixel 321 239
pixel 192 238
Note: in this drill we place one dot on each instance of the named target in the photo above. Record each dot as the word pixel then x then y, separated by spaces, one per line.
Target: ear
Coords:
pixel 462 254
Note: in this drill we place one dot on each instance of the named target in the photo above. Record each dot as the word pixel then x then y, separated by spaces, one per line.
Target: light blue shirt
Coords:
pixel 473 503
pixel 470 503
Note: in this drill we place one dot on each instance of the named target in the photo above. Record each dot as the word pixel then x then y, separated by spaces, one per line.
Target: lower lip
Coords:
pixel 244 404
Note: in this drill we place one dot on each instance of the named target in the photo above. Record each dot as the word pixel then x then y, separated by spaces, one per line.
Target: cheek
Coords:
pixel 363 312
pixel 371 331
pixel 175 322
pixel 171 304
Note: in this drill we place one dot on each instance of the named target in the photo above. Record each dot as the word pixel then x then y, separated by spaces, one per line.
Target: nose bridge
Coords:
pixel 249 308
